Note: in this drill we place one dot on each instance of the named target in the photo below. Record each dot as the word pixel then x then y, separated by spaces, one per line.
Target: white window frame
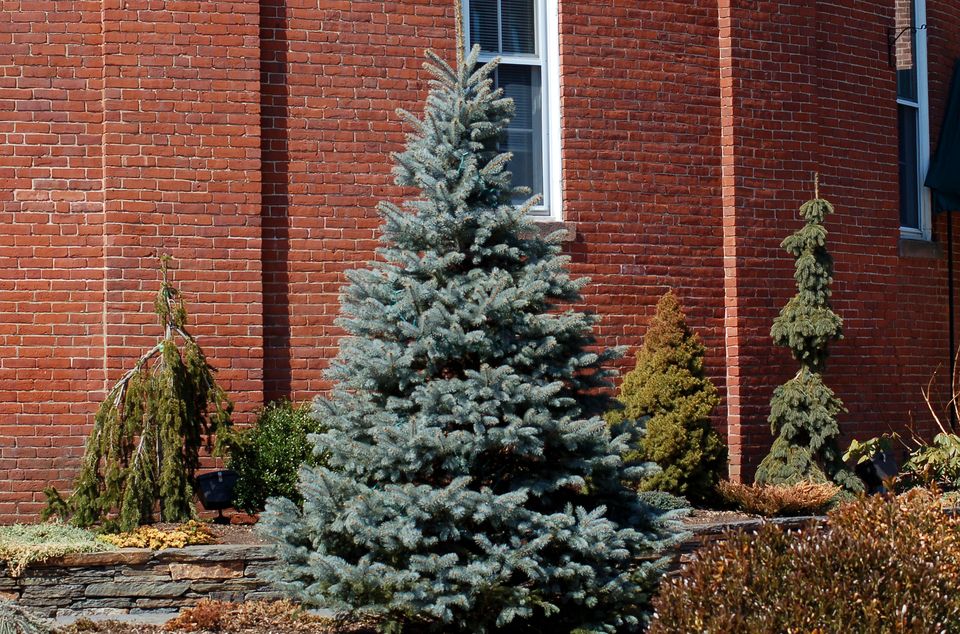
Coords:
pixel 546 37
pixel 922 105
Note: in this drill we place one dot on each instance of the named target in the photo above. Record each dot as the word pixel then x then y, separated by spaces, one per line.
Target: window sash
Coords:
pixel 548 207
pixel 923 230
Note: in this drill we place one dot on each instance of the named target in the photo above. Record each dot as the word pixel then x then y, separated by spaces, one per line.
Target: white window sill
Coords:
pixel 548 225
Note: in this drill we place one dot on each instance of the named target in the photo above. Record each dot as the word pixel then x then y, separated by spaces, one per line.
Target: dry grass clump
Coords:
pixel 16 619
pixel 889 565
pixel 221 617
pixel 187 534
pixel 24 544
pixel 803 498
pixel 261 616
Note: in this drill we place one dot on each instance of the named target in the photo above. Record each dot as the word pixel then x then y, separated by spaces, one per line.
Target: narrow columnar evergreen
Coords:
pixel 144 447
pixel 803 411
pixel 470 484
pixel 670 394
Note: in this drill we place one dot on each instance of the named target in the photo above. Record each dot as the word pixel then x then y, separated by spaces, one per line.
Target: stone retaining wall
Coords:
pixel 140 581
pixel 135 580
pixel 702 535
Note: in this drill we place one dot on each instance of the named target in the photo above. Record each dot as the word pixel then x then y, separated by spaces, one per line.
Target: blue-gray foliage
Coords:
pixel 469 483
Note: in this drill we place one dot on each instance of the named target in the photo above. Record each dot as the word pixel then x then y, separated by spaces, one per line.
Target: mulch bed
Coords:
pixel 218 617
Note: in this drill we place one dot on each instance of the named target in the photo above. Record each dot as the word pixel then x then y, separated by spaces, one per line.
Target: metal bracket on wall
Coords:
pixel 892 41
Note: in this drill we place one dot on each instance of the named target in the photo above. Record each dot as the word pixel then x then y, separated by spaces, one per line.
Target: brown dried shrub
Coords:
pixel 262 616
pixel 886 565
pixel 803 498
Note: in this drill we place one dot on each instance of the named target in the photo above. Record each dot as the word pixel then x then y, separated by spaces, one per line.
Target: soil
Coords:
pixel 224 533
pixel 701 517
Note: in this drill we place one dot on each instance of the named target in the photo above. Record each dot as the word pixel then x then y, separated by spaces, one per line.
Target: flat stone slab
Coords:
pixel 142 618
pixel 218 552
pixel 152 589
pixel 221 570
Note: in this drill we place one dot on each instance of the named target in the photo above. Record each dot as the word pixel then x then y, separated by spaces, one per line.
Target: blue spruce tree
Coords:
pixel 469 484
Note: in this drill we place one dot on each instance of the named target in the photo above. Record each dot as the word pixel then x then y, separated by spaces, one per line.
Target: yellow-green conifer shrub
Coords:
pixel 670 389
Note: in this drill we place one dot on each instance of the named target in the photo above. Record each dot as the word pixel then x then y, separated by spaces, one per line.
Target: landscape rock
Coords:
pixel 222 570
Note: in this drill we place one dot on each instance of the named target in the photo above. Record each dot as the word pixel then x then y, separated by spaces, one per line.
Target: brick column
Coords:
pixel 769 134
pixel 51 215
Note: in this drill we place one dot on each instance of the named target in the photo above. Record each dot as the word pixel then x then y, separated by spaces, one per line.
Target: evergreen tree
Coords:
pixel 803 411
pixel 671 392
pixel 469 484
pixel 147 433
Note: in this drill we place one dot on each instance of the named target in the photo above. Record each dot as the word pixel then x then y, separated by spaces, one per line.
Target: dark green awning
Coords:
pixel 943 179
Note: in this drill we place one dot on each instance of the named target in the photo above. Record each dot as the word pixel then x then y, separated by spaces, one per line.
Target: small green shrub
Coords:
pixel 670 392
pixel 16 619
pixel 23 544
pixel 663 500
pixel 268 455
pixel 885 565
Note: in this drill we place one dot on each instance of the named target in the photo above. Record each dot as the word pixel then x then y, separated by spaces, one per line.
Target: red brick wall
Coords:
pixel 126 132
pixel 252 139
pixel 51 225
pixel 810 87
pixel 333 74
pixel 181 145
pixel 332 80
pixel 641 173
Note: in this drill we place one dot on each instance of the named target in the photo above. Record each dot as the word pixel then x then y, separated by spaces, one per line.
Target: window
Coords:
pixel 523 34
pixel 910 50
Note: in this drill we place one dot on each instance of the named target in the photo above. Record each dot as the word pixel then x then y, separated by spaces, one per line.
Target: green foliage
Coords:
pixel 267 457
pixel 24 544
pixel 664 500
pixel 144 447
pixel 803 411
pixel 859 452
pixel 16 619
pixel 886 565
pixel 937 462
pixel 670 391
pixel 470 483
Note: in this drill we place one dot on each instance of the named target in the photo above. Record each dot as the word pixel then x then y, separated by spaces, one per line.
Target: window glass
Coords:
pixel 524 137
pixel 485 24
pixel 518 32
pixel 909 172
pixel 511 29
pixel 905 50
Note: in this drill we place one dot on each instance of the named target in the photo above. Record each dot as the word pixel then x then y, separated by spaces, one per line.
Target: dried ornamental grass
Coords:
pixel 885 566
pixel 24 544
pixel 187 534
pixel 15 619
pixel 803 498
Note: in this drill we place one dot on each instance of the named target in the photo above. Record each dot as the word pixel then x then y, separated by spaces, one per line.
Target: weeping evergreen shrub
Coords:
pixel 143 451
pixel 470 483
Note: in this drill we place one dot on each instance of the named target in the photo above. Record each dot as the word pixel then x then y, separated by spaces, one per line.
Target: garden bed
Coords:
pixel 147 582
